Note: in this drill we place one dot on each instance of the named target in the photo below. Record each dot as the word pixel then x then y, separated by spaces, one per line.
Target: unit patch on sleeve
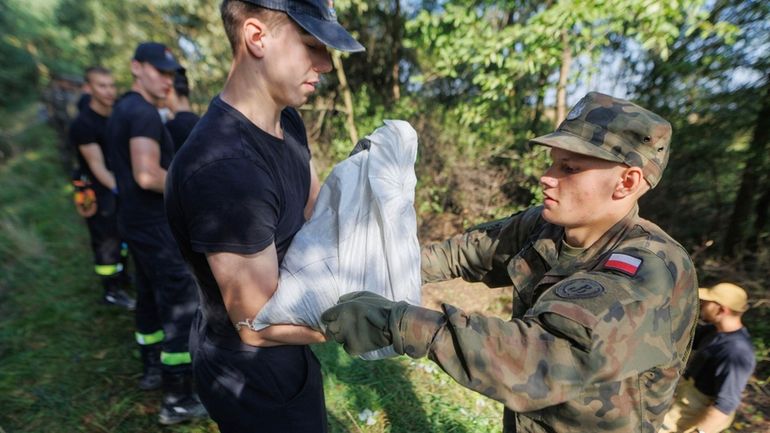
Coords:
pixel 579 288
pixel 629 265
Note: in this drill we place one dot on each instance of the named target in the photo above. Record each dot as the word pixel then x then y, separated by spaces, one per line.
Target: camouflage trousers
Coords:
pixel 689 404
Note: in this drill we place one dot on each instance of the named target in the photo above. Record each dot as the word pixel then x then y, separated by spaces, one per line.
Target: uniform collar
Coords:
pixel 548 243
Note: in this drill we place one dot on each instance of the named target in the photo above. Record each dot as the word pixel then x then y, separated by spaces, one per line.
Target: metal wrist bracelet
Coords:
pixel 245 323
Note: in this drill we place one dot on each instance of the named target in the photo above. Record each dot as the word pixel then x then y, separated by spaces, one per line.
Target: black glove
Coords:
pixel 363 321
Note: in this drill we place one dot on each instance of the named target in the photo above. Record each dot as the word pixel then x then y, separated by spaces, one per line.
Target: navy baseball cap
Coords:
pixel 157 55
pixel 181 85
pixel 318 18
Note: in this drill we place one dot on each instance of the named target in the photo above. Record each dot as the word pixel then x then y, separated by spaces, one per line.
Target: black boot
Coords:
pixel 115 295
pixel 151 376
pixel 180 403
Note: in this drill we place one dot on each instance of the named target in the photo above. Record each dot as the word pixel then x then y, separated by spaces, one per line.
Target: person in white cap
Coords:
pixel 720 365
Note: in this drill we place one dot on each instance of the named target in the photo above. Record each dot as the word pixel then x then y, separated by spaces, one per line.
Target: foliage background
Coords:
pixel 478 78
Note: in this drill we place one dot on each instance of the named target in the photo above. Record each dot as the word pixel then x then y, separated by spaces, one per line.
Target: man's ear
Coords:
pixel 254 32
pixel 136 68
pixel 631 182
pixel 727 310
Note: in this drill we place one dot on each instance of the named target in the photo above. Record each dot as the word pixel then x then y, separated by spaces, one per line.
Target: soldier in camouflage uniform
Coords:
pixel 604 303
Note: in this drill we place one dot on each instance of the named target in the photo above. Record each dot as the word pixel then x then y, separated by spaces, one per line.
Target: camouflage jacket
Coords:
pixel 597 343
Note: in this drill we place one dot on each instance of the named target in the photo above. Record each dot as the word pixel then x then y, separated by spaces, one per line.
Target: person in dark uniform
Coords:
pixel 86 135
pixel 723 359
pixel 178 101
pixel 85 98
pixel 237 192
pixel 141 150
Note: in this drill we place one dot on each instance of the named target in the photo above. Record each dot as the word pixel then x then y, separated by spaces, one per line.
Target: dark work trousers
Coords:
pixel 167 295
pixel 105 238
pixel 248 389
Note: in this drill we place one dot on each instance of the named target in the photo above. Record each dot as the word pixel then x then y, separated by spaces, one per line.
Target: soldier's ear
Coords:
pixel 254 32
pixel 631 182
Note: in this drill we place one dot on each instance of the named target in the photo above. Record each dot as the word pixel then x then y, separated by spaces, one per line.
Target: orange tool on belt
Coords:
pixel 84 197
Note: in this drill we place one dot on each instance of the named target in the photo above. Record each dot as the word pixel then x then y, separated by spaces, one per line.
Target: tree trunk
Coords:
pixel 760 218
pixel 395 51
pixel 561 89
pixel 745 199
pixel 539 104
pixel 347 97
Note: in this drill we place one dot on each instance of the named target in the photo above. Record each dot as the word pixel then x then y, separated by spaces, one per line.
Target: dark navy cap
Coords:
pixel 157 55
pixel 181 85
pixel 318 18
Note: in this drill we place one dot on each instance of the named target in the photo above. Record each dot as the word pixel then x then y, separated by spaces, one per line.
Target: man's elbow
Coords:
pixel 145 179
pixel 724 408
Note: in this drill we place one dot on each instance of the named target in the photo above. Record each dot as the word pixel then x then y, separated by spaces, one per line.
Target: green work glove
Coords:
pixel 363 321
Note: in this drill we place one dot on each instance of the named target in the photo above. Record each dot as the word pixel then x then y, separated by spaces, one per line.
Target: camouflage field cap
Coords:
pixel 613 129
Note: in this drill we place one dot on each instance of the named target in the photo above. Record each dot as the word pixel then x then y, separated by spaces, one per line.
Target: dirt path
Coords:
pixel 471 297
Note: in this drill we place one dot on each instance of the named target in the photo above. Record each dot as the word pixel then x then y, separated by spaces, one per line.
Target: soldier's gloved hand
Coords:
pixel 363 321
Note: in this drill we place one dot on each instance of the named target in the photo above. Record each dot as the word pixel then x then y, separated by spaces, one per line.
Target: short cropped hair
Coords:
pixel 235 12
pixel 101 70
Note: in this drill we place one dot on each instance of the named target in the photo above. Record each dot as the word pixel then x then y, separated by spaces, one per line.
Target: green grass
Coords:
pixel 69 364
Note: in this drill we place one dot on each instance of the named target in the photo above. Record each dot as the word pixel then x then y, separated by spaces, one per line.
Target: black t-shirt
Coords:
pixel 83 101
pixel 721 364
pixel 180 127
pixel 235 188
pixel 88 128
pixel 132 117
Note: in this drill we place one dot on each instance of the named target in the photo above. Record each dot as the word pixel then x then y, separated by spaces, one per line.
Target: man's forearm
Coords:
pixel 153 180
pixel 146 164
pixel 105 177
pixel 94 158
pixel 467 256
pixel 247 282
pixel 279 335
pixel 712 420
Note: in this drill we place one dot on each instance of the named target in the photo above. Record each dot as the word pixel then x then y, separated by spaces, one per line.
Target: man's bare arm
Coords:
pixel 145 164
pixel 247 282
pixel 94 157
pixel 712 420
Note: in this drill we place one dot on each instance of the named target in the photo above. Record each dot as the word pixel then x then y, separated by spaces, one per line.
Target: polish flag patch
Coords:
pixel 624 263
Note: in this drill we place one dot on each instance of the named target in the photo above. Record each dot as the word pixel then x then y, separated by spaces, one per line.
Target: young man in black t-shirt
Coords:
pixel 86 135
pixel 237 192
pixel 178 102
pixel 141 151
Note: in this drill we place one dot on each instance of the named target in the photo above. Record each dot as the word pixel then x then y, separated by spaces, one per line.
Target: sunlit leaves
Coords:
pixel 483 48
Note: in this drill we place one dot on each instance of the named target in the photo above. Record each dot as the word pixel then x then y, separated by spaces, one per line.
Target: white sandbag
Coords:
pixel 362 235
